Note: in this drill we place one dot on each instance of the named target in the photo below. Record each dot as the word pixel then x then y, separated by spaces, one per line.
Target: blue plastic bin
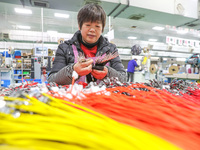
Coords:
pixel 19 72
pixel 5 54
pixel 5 83
pixel 17 53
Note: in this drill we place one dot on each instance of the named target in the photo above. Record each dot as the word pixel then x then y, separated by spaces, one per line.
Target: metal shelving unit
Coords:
pixel 20 69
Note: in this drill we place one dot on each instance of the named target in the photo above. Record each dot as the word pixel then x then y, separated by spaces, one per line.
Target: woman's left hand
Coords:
pixel 99 74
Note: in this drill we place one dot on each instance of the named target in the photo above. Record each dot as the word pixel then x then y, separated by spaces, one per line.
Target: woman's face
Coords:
pixel 91 31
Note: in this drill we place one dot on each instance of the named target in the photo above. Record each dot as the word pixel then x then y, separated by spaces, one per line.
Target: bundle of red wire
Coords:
pixel 173 118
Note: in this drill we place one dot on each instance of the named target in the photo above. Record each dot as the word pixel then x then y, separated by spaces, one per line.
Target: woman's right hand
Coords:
pixel 83 68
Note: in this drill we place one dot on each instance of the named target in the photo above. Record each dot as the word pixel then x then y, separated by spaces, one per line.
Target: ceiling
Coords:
pixel 122 24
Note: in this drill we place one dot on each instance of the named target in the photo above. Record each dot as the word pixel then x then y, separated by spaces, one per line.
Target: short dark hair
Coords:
pixel 91 12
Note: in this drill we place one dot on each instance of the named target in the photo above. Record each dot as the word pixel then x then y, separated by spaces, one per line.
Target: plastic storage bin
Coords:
pixel 15 77
pixel 17 54
pixel 19 72
pixel 5 83
pixel 5 54
pixel 26 72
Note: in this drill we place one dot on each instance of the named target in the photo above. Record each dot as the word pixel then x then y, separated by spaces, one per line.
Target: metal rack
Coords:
pixel 18 74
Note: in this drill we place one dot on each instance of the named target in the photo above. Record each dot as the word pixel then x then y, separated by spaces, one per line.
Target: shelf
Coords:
pixel 184 76
pixel 26 68
pixel 170 51
pixel 22 41
pixel 156 52
pixel 21 58
pixel 5 69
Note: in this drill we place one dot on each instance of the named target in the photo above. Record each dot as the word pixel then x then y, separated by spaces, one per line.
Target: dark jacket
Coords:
pixel 62 69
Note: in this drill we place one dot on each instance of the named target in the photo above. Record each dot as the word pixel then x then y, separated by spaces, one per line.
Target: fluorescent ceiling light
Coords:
pixel 61 15
pixel 51 31
pixel 23 11
pixel 132 37
pixel 153 40
pixel 23 27
pixel 158 28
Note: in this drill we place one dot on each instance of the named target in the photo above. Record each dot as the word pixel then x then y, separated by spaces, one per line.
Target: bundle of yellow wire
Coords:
pixel 57 126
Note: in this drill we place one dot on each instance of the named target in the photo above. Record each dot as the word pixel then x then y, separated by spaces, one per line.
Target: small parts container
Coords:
pixel 19 72
pixel 26 72
pixel 5 83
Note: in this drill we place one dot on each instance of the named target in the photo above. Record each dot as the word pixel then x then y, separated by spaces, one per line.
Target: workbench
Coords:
pixel 193 77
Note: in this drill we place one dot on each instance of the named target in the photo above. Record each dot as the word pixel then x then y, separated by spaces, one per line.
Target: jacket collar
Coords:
pixel 74 40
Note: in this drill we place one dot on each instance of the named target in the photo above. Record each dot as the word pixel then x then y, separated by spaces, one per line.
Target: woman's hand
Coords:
pixel 99 74
pixel 83 68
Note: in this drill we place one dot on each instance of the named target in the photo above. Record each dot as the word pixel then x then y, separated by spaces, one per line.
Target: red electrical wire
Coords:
pixel 174 118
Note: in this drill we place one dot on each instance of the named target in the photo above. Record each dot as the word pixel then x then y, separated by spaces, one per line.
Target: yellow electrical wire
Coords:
pixel 56 125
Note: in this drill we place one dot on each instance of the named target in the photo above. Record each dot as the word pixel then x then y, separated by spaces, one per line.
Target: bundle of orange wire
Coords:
pixel 174 118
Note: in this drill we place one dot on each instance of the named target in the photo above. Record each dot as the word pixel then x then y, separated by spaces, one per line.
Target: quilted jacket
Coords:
pixel 62 69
